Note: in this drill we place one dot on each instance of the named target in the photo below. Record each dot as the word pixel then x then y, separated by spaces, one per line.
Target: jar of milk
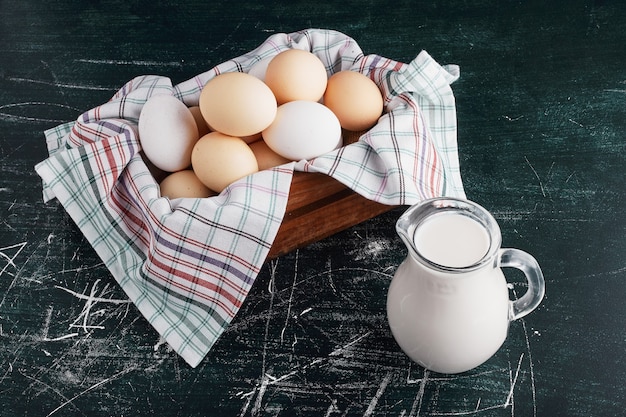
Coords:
pixel 448 304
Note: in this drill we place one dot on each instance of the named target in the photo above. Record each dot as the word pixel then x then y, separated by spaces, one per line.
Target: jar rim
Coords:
pixel 416 215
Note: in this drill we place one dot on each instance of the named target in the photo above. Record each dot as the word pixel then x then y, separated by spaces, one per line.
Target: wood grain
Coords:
pixel 319 207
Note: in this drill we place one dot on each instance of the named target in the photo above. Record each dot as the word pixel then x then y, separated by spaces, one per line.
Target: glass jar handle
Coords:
pixel 526 263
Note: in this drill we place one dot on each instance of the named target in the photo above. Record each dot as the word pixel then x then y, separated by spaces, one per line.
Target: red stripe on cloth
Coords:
pixel 435 183
pixel 84 133
pixel 205 265
pixel 124 205
pixel 159 227
pixel 170 266
pixel 222 294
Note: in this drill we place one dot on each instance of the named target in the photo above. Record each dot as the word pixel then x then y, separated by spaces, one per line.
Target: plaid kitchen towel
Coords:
pixel 188 264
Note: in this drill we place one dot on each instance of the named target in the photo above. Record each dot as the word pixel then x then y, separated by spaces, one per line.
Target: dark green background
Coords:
pixel 541 103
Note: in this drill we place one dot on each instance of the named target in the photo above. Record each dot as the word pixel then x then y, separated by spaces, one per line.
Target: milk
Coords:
pixel 452 240
pixel 452 313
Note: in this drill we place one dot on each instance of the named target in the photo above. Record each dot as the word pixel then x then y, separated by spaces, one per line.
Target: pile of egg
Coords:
pixel 284 109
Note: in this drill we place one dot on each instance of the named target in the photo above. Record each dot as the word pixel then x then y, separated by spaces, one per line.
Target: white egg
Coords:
pixel 303 129
pixel 167 132
pixel 260 68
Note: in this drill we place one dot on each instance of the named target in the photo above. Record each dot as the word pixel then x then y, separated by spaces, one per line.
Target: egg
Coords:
pixel 266 158
pixel 219 160
pixel 355 99
pixel 303 130
pixel 237 104
pixel 167 132
pixel 184 184
pixel 260 68
pixel 203 128
pixel 252 138
pixel 296 74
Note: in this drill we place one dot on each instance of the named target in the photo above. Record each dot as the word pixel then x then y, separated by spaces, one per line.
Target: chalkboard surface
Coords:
pixel 542 139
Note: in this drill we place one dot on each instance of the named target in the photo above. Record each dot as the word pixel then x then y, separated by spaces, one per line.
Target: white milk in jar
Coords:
pixel 448 303
pixel 452 240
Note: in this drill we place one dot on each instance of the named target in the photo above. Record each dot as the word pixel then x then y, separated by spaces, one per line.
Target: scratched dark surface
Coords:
pixel 542 137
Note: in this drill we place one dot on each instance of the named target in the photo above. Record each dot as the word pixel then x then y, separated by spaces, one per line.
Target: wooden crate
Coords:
pixel 320 206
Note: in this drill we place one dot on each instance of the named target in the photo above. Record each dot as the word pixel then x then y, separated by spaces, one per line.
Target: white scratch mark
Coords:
pixel 346 346
pixel 331 408
pixel 11 259
pixel 379 393
pixel 86 327
pixel 56 339
pixel 158 344
pixel 468 412
pixel 91 297
pixel 530 364
pixel 9 116
pixel 62 85
pixel 82 321
pixel 268 379
pixel 10 262
pixel 91 388
pixel 306 310
pixel 293 287
pixel 295 342
pixel 88 305
pixel 47 386
pixel 249 396
pixel 141 63
pixel 46 324
pixel 509 398
pixel 417 402
pixel 228 38
pixel 271 290
pixel 575 122
pixel 329 272
pixel 532 370
pixel 77 270
pixel 543 192
pixel 259 397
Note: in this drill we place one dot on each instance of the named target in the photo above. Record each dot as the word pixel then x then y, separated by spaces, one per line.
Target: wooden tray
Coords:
pixel 320 206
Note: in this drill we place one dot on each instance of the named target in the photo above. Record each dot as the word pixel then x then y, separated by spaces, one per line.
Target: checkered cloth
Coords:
pixel 188 264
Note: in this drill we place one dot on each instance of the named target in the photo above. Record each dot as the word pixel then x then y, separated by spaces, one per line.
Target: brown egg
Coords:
pixel 237 104
pixel 296 74
pixel 265 157
pixel 218 160
pixel 252 138
pixel 355 99
pixel 185 183
pixel 203 128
